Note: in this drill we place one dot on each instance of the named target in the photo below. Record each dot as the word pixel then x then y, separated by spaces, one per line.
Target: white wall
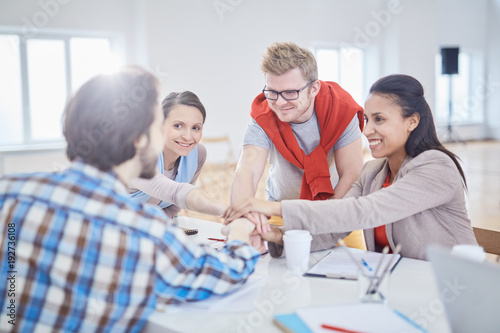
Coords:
pixel 463 22
pixel 217 54
pixel 468 24
pixel 33 161
pixel 110 15
pixel 491 92
pixel 214 47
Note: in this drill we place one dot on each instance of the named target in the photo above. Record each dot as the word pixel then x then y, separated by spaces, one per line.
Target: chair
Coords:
pixel 216 146
pixel 217 174
pixel 488 239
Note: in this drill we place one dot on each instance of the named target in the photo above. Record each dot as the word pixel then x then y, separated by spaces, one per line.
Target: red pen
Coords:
pixel 338 329
pixel 217 239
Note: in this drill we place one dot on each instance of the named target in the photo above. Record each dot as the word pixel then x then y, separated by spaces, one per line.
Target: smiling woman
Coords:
pixel 184 119
pixel 387 131
pixel 180 161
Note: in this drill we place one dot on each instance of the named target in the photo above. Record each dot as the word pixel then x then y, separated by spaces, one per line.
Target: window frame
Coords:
pixel 475 91
pixel 116 42
pixel 340 49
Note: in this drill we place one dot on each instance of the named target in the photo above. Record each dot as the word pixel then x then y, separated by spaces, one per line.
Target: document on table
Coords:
pixel 338 264
pixel 358 317
pixel 241 300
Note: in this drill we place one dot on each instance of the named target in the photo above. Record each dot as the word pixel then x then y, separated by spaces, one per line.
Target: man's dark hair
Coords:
pixel 107 114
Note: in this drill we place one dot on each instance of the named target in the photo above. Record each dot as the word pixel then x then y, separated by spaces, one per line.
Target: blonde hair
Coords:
pixel 281 57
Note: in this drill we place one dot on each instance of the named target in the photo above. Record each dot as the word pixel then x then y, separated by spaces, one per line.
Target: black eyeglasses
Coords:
pixel 288 95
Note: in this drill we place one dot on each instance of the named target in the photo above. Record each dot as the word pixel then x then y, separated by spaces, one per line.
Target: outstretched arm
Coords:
pixel 183 195
pixel 348 161
pixel 249 171
pixel 187 271
pixel 199 201
pixel 245 206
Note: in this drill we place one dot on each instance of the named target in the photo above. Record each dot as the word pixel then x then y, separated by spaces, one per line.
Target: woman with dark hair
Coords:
pixel 180 161
pixel 411 194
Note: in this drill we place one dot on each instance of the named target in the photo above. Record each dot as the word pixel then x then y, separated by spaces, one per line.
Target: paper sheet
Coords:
pixel 361 317
pixel 241 300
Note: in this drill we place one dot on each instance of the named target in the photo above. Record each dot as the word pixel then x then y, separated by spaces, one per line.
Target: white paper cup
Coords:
pixel 469 251
pixel 297 249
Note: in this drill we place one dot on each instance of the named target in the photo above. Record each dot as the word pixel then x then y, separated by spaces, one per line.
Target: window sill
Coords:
pixel 463 124
pixel 26 148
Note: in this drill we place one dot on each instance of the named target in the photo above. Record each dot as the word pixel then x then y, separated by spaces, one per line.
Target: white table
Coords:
pixel 412 291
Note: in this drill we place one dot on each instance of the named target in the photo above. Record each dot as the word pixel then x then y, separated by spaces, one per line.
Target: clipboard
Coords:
pixel 290 323
pixel 338 265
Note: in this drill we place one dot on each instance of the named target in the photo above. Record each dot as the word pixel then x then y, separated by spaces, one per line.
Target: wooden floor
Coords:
pixel 481 163
pixel 480 160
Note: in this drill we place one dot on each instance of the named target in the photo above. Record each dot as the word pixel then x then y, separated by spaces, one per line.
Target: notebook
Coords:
pixel 291 323
pixel 376 318
pixel 469 290
pixel 338 264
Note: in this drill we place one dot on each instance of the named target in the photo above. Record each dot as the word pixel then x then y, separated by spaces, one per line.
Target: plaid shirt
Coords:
pixel 87 258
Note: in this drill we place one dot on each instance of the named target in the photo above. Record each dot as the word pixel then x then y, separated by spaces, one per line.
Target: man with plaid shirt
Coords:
pixel 84 257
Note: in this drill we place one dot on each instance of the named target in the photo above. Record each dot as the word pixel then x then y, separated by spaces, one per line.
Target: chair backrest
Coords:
pixel 219 145
pixel 488 239
pixel 216 177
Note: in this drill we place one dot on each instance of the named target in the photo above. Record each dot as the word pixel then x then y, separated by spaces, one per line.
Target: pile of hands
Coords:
pixel 251 216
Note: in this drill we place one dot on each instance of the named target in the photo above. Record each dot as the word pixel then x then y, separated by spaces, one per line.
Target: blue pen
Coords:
pixel 366 264
pixel 411 322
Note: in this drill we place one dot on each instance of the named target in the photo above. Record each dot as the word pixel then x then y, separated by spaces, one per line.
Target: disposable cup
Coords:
pixel 297 249
pixel 469 251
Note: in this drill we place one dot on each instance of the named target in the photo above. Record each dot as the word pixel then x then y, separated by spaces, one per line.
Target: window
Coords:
pixel 467 97
pixel 11 111
pixel 344 66
pixel 38 74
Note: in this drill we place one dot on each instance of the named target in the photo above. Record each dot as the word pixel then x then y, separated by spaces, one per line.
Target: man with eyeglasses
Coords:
pixel 304 127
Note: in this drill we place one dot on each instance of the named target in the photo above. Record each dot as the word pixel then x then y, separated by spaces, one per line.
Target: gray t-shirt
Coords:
pixel 285 179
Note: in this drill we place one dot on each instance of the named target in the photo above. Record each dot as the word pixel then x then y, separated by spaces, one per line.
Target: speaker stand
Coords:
pixel 450 135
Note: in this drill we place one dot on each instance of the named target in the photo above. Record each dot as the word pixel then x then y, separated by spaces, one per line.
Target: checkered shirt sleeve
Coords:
pixel 87 258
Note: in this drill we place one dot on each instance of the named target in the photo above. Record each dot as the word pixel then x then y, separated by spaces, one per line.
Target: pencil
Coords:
pixel 338 329
pixel 341 242
pixel 216 239
pixel 374 276
pixel 374 289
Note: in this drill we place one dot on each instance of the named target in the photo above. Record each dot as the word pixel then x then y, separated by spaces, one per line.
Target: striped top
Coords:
pixel 87 258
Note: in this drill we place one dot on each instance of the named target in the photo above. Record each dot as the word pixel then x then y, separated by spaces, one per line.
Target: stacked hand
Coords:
pixel 257 212
pixel 244 230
